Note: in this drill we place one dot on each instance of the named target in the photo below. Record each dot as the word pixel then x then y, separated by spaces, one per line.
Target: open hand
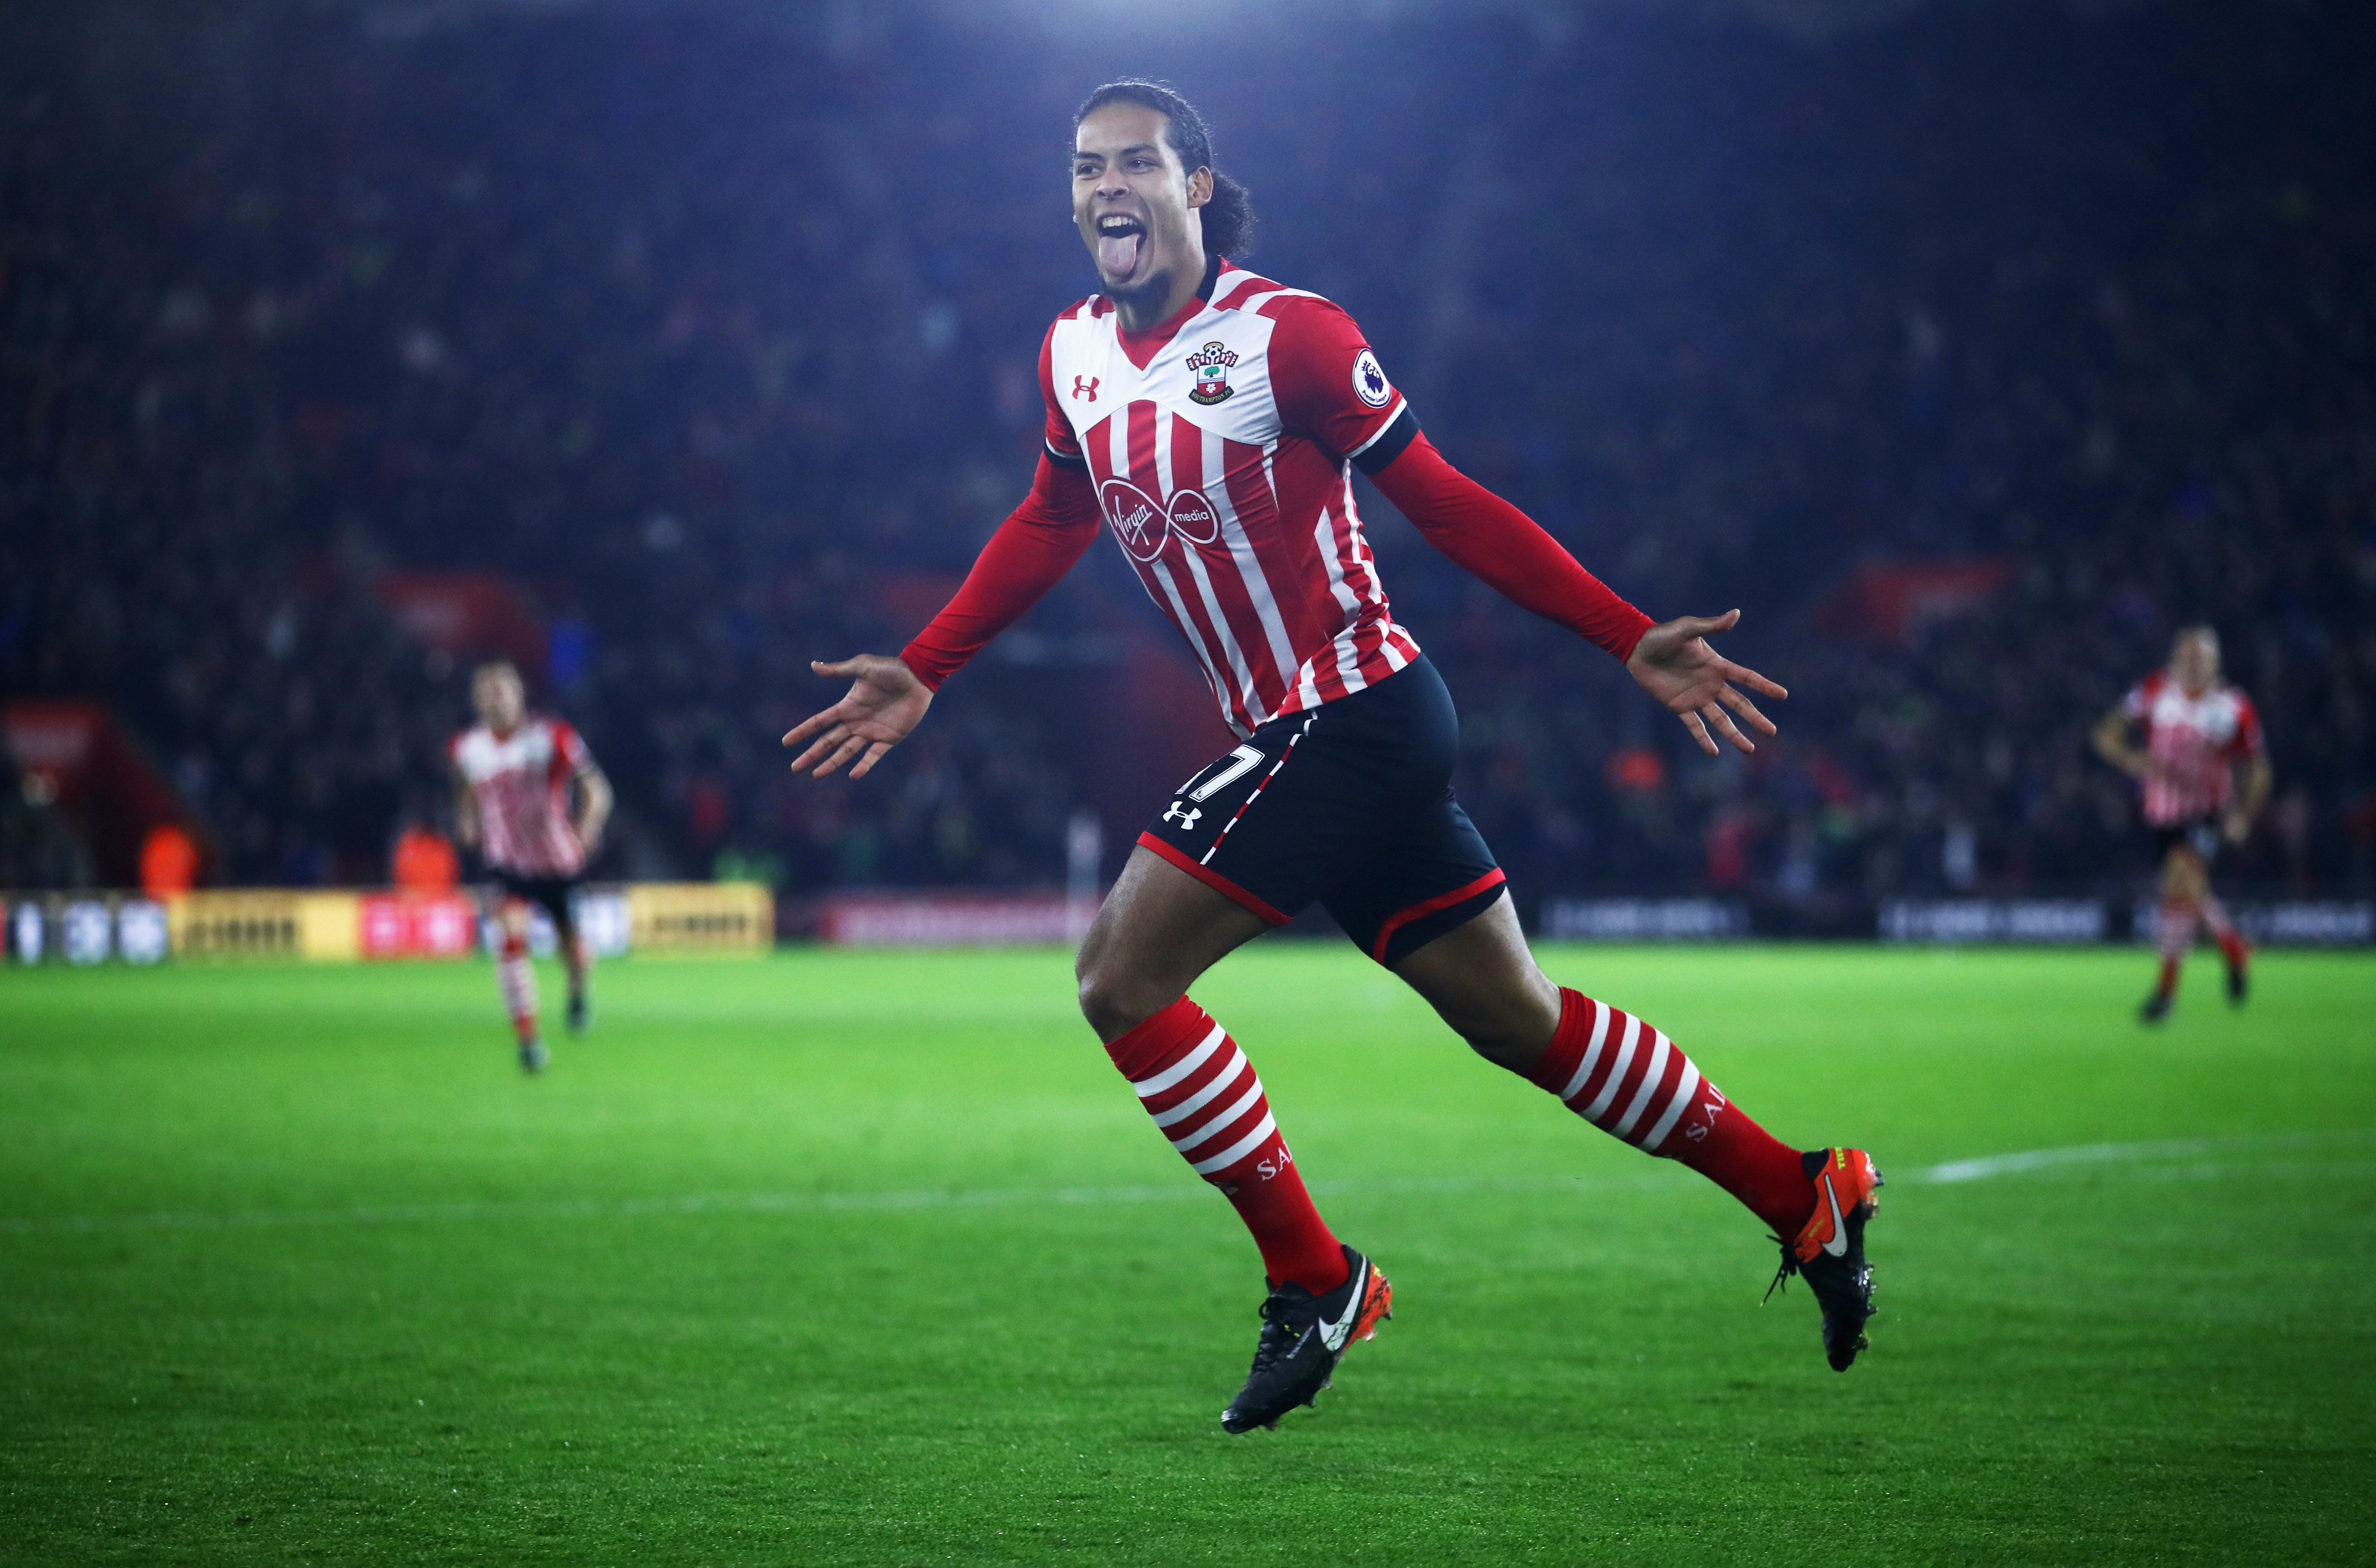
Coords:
pixel 1674 663
pixel 884 703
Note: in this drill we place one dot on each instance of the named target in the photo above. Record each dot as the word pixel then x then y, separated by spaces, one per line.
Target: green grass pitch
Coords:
pixel 867 1258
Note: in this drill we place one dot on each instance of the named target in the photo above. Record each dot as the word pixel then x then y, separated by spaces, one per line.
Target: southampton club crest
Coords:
pixel 1210 366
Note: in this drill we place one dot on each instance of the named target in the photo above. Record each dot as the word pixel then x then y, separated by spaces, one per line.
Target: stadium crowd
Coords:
pixel 716 338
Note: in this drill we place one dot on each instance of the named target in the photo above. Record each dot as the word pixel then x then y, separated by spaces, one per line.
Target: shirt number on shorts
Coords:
pixel 1230 768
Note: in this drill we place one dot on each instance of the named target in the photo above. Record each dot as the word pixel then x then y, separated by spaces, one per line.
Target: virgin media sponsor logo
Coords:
pixel 1144 525
pixel 1194 520
pixel 1135 519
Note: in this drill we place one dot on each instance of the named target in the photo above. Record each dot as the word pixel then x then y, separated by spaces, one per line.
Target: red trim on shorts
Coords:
pixel 1402 918
pixel 1212 879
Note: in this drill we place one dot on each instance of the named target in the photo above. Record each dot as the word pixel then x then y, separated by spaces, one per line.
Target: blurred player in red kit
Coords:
pixel 2198 731
pixel 1211 419
pixel 514 775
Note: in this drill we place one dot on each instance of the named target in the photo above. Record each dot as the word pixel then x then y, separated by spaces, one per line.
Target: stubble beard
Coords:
pixel 1146 294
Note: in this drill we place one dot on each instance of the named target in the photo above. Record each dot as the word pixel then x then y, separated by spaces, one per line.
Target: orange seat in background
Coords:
pixel 425 861
pixel 169 861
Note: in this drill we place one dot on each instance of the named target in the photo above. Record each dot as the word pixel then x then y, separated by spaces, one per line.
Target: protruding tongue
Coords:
pixel 1118 255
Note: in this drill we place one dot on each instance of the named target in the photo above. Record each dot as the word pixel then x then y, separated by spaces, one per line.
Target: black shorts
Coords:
pixel 2201 836
pixel 556 894
pixel 1349 806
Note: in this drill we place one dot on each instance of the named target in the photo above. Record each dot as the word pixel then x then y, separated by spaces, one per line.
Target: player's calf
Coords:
pixel 2233 948
pixel 2173 934
pixel 573 945
pixel 1205 1096
pixel 1628 1079
pixel 515 979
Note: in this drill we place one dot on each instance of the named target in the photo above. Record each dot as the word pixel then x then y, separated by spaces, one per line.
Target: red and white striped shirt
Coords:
pixel 521 781
pixel 1219 449
pixel 1221 445
pixel 2191 742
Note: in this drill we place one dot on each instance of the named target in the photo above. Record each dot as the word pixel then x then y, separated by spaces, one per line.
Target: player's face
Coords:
pixel 1135 204
pixel 496 694
pixel 2195 659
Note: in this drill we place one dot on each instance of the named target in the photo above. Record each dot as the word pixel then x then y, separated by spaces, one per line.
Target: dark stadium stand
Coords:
pixel 696 331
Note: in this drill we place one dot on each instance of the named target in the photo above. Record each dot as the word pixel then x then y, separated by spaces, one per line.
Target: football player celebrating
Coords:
pixel 513 778
pixel 1211 420
pixel 2198 731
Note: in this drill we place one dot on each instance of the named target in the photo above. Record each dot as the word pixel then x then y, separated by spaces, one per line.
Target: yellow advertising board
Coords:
pixel 726 918
pixel 700 917
pixel 265 922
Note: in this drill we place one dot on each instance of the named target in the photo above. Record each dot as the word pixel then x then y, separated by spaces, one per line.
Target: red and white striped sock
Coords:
pixel 1631 1082
pixel 1205 1095
pixel 516 980
pixel 2174 935
pixel 2223 930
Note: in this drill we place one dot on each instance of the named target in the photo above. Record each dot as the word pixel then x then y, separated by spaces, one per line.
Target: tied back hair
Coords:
pixel 1229 216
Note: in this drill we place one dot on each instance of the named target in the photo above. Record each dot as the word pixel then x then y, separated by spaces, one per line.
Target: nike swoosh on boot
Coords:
pixel 1838 1245
pixel 1333 1335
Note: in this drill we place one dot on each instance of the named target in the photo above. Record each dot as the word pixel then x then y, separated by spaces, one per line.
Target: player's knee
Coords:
pixel 1101 999
pixel 1113 1000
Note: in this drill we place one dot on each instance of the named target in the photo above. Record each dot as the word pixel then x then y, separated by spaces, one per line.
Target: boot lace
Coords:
pixel 1781 1275
pixel 1279 1334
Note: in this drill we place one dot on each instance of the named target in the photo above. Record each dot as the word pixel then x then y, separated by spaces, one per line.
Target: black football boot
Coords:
pixel 1303 1337
pixel 1828 1251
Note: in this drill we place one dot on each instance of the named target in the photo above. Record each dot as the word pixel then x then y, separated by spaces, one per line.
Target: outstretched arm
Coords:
pixel 1507 550
pixel 1036 546
pixel 594 803
pixel 2110 738
pixel 466 811
pixel 2258 780
pixel 1040 542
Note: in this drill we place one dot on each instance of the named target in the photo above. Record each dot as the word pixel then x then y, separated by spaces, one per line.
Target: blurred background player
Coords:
pixel 1212 418
pixel 514 774
pixel 2198 731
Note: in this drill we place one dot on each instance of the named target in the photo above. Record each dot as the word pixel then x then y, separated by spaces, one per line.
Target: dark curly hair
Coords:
pixel 1229 216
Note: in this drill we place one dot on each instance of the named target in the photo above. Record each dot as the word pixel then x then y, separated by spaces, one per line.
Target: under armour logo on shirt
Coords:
pixel 1085 386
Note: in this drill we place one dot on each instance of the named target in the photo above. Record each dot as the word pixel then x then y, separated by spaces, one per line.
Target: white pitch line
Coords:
pixel 1957 1170
pixel 1992 1165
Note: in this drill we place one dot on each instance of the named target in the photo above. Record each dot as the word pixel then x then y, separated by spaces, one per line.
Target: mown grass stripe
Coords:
pixel 1985 1167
